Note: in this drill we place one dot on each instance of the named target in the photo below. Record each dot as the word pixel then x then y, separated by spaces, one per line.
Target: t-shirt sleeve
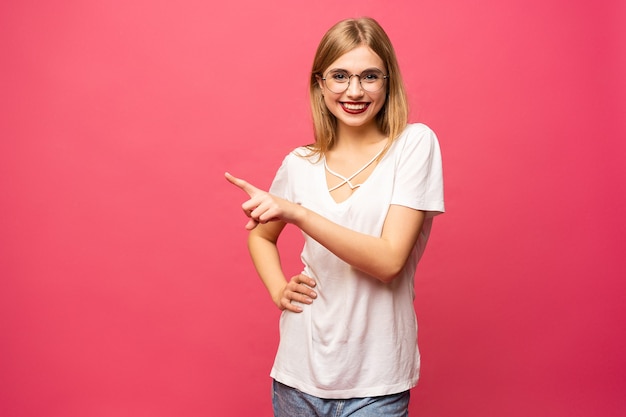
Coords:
pixel 419 176
pixel 280 184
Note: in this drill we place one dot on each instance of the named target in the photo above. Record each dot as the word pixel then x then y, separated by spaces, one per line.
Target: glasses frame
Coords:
pixel 385 78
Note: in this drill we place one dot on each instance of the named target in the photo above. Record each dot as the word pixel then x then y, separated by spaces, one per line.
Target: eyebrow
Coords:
pixel 345 70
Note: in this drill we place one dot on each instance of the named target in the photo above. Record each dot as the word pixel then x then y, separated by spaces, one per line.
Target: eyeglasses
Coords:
pixel 371 81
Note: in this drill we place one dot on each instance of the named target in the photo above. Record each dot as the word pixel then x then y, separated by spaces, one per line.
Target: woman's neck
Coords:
pixel 358 136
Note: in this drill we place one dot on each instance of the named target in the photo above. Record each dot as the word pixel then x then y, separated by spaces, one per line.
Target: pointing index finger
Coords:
pixel 244 185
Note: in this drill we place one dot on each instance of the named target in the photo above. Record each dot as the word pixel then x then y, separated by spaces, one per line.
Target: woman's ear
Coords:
pixel 320 83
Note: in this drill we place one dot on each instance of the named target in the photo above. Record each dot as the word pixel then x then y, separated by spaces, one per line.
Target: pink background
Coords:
pixel 126 289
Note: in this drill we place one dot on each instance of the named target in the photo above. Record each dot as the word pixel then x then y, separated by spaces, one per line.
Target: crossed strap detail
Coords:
pixel 348 179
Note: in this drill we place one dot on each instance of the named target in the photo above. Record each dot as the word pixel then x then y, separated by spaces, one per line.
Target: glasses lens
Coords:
pixel 337 81
pixel 371 80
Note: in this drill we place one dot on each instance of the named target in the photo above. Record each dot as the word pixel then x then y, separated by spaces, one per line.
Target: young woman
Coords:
pixel 364 196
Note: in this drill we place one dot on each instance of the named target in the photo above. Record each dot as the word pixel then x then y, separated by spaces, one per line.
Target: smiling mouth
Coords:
pixel 355 108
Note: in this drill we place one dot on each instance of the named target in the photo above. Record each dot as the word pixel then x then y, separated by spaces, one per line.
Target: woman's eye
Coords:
pixel 370 76
pixel 339 76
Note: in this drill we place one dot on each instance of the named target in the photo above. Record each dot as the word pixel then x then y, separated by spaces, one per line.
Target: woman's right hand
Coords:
pixel 263 207
pixel 300 289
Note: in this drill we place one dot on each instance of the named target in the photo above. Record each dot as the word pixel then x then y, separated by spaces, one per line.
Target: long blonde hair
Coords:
pixel 343 37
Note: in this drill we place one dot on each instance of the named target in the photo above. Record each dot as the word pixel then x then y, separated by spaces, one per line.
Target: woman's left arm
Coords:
pixel 381 257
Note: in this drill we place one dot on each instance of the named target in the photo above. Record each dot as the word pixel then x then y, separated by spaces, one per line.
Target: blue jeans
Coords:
pixel 289 402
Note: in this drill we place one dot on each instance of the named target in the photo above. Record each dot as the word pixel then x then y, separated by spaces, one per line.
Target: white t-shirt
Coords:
pixel 359 336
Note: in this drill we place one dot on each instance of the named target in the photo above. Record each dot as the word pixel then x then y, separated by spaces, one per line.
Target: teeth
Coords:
pixel 354 106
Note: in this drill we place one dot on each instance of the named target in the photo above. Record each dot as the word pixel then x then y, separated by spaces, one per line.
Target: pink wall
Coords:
pixel 125 285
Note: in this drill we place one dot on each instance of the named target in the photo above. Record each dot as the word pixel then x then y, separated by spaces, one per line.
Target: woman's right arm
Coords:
pixel 262 244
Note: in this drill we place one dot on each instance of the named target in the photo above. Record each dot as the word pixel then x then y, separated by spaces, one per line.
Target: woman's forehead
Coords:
pixel 357 59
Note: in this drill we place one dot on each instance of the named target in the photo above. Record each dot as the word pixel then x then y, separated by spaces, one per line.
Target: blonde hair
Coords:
pixel 343 37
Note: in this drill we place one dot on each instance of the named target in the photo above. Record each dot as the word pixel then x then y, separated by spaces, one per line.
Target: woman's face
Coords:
pixel 355 107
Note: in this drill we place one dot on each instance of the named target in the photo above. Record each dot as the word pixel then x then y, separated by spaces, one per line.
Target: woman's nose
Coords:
pixel 354 87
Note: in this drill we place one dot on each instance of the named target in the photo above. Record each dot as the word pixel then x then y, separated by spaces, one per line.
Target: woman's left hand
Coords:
pixel 298 289
pixel 263 207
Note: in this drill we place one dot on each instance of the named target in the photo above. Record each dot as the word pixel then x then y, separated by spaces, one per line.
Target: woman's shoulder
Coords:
pixel 416 135
pixel 417 129
pixel 304 154
pixel 301 158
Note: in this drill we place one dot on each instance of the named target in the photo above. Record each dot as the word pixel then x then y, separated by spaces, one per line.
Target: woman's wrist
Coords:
pixel 277 295
pixel 299 215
